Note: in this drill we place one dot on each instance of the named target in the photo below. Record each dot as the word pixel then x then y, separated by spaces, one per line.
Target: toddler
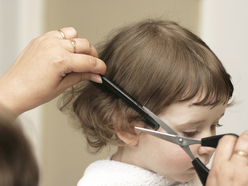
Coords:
pixel 173 73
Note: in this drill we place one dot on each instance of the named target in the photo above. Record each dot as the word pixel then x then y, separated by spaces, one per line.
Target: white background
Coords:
pixel 20 22
pixel 224 27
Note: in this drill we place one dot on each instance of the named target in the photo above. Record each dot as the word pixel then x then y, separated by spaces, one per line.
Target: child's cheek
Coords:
pixel 176 164
pixel 178 159
pixel 183 159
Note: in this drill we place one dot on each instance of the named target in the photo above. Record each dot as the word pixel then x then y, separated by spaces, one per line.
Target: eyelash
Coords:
pixel 194 133
pixel 215 126
pixel 190 134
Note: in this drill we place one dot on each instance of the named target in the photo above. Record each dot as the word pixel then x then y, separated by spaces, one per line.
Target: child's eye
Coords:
pixel 213 127
pixel 194 133
pixel 190 134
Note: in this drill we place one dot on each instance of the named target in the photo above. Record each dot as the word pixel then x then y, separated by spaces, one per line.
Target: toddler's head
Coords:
pixel 159 64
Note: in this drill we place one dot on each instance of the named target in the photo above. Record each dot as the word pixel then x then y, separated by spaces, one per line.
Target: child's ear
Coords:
pixel 129 137
pixel 127 134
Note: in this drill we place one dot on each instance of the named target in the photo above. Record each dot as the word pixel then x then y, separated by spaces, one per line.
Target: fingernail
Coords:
pixel 96 78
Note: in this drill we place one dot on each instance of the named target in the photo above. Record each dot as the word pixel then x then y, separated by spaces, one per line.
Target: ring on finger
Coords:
pixel 241 153
pixel 74 44
pixel 62 34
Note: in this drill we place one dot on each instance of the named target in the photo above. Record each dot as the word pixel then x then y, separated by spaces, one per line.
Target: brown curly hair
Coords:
pixel 157 63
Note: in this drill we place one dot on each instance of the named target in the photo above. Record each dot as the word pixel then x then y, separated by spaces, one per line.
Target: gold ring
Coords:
pixel 62 34
pixel 74 44
pixel 241 153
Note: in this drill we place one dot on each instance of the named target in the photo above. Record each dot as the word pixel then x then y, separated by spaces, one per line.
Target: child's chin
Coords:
pixel 187 178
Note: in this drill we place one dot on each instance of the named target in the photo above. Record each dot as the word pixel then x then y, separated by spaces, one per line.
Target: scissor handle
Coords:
pixel 201 170
pixel 214 140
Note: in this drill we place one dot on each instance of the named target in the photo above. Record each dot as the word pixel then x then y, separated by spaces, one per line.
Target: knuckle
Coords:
pixel 92 61
pixel 85 76
pixel 227 139
pixel 86 44
pixel 73 31
pixel 244 136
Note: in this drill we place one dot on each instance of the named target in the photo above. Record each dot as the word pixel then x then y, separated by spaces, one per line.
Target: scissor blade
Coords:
pixel 168 137
pixel 166 127
pixel 171 138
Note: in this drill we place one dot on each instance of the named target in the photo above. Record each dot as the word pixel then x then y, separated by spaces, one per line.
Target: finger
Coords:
pixel 74 78
pixel 69 33
pixel 91 76
pixel 82 46
pixel 224 150
pixel 242 146
pixel 84 63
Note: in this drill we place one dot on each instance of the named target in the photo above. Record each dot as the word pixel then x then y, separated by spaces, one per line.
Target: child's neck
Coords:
pixel 121 156
pixel 128 155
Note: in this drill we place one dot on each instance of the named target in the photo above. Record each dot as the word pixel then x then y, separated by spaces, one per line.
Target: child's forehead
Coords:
pixel 184 113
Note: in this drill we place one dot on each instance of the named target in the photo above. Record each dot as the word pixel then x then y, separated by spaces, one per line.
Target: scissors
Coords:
pixel 172 136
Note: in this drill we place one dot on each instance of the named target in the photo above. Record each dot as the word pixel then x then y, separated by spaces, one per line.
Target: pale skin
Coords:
pixel 46 68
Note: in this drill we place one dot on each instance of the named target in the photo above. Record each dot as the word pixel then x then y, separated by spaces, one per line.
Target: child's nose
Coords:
pixel 205 150
pixel 205 154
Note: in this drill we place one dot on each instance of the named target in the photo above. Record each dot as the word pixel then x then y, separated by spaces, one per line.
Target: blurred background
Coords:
pixel 60 149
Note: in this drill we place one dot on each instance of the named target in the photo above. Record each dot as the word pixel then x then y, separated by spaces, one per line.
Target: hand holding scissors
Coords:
pixel 230 163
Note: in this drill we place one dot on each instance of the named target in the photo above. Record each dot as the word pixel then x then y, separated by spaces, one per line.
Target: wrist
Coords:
pixel 6 114
pixel 9 100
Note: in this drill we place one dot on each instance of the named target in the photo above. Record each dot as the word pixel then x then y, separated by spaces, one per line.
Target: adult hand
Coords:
pixel 230 164
pixel 48 66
